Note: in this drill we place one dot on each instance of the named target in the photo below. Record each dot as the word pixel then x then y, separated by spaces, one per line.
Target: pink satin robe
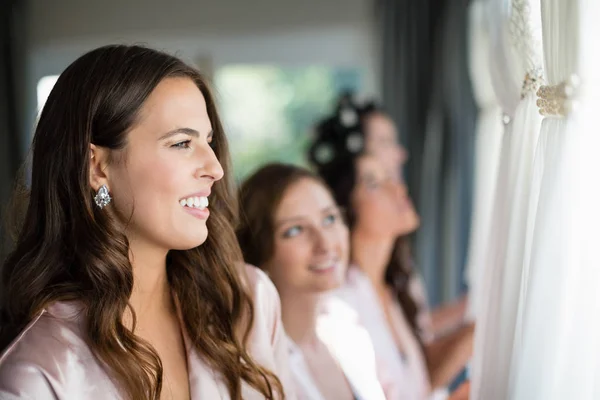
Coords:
pixel 51 360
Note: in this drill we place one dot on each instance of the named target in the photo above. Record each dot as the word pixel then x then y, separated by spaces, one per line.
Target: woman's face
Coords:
pixel 161 181
pixel 381 203
pixel 382 142
pixel 310 241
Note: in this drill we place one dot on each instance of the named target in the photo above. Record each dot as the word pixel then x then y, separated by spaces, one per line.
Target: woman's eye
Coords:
pixel 182 145
pixel 292 232
pixel 372 184
pixel 330 219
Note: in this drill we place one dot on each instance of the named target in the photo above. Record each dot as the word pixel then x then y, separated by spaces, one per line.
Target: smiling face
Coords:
pixel 161 181
pixel 310 245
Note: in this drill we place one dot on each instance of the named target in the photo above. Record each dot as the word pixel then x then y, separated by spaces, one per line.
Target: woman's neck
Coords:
pixel 151 293
pixel 299 316
pixel 372 256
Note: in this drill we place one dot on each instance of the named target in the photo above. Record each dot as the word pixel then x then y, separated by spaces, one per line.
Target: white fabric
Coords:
pixel 350 345
pixel 488 140
pixel 505 64
pixel 494 339
pixel 409 370
pixel 559 329
pixel 506 75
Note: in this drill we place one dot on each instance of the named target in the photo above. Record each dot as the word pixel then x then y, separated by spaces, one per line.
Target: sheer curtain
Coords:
pixel 506 81
pixel 488 140
pixel 495 335
pixel 559 327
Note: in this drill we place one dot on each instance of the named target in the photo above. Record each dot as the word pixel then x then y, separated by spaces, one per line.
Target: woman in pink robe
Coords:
pixel 51 360
pixel 380 284
pixel 292 228
pixel 123 282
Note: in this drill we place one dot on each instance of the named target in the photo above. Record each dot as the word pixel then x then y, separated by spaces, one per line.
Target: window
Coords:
pixel 269 111
pixel 44 87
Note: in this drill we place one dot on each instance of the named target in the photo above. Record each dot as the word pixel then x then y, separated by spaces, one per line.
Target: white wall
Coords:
pixel 288 32
pixel 62 19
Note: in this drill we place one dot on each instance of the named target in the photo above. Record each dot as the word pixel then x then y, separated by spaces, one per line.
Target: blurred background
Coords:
pixel 277 66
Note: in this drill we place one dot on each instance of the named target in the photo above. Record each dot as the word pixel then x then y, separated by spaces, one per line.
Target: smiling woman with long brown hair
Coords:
pixel 291 228
pixel 124 282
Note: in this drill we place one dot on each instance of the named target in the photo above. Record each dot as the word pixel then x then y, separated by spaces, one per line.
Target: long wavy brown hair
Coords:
pixel 69 249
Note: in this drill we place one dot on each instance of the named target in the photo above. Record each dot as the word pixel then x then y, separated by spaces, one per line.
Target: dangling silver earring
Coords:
pixel 102 198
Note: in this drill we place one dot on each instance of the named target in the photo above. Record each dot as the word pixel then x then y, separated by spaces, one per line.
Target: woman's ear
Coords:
pixel 98 166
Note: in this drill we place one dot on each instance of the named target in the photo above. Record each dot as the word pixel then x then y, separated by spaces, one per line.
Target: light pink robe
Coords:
pixel 409 370
pixel 51 360
pixel 351 347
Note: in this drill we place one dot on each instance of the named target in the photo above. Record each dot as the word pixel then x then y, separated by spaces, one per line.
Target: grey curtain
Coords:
pixel 426 87
pixel 12 56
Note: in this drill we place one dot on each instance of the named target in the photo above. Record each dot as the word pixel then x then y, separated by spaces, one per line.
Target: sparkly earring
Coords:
pixel 102 198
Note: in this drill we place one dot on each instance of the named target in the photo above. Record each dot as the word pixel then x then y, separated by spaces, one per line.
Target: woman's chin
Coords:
pixel 191 241
pixel 326 287
pixel 416 223
pixel 407 227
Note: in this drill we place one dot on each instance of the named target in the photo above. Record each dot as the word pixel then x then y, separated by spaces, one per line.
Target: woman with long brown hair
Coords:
pixel 378 285
pixel 292 228
pixel 124 283
pixel 381 141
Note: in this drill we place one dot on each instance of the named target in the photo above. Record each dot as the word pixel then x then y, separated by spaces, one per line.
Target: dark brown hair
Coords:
pixel 339 171
pixel 259 198
pixel 69 249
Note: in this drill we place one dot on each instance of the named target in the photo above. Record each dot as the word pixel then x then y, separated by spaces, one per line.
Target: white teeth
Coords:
pixel 199 202
pixel 203 202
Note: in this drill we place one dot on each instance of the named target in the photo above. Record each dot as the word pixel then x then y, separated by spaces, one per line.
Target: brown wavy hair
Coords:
pixel 69 249
pixel 259 197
